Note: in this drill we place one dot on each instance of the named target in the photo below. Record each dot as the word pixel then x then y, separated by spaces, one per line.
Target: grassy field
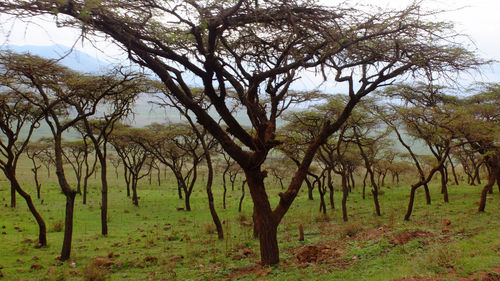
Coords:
pixel 157 242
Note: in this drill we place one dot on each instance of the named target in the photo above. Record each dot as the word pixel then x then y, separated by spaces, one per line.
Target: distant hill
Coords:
pixel 76 60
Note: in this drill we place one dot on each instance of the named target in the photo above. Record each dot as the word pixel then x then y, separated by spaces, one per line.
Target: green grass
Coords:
pixel 156 242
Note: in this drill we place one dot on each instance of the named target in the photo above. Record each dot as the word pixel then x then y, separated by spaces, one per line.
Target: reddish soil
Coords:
pixel 405 237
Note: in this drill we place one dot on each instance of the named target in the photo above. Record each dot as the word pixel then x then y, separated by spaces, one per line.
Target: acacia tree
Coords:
pixel 126 141
pixel 16 115
pixel 33 151
pixel 177 146
pixel 426 114
pixel 479 127
pixel 55 90
pixel 120 91
pixel 89 163
pixel 76 154
pixel 257 49
pixel 424 176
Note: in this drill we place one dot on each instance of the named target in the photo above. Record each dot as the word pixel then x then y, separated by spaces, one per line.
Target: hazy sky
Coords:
pixel 479 19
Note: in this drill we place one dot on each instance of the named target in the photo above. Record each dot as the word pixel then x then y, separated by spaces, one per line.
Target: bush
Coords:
pixel 57 226
pixel 209 228
pixel 93 272
pixel 350 229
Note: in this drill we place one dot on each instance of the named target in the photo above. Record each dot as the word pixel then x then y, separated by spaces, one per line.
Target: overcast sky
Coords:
pixel 479 19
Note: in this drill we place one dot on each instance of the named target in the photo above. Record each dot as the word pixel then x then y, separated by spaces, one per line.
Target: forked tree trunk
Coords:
pixel 444 188
pixel 322 192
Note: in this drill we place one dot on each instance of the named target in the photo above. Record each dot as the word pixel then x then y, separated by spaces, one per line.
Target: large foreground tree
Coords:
pixel 257 49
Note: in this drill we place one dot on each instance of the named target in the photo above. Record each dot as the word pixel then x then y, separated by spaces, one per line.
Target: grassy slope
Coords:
pixel 184 247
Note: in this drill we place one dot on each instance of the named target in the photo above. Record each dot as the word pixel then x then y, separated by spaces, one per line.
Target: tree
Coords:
pixel 120 91
pixel 445 140
pixel 126 141
pixel 427 116
pixel 76 154
pixel 16 114
pixel 257 49
pixel 33 151
pixel 55 90
pixel 479 127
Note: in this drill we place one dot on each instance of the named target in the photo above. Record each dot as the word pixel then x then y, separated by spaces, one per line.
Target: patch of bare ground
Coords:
pixel 402 238
pixel 330 253
pixel 371 234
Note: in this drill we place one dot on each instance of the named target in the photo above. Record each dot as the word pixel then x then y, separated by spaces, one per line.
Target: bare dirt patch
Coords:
pixel 322 253
pixel 402 238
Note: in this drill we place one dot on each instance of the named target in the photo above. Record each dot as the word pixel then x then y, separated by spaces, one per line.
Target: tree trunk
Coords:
pixel 68 226
pixel 427 194
pixel 364 184
pixel 85 184
pixel 477 175
pixel 127 179
pixel 265 221
pixel 345 194
pixel 310 188
pixel 104 196
pixel 322 204
pixel 12 196
pixel 493 176
pixel 187 202
pixel 42 229
pixel 330 187
pixel 224 185
pixel 242 196
pixel 38 185
pixel 135 199
pixel 412 200
pixel 444 188
pixel 453 170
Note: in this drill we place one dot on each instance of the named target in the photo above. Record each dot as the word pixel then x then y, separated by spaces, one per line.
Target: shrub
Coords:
pixel 93 272
pixel 350 229
pixel 57 226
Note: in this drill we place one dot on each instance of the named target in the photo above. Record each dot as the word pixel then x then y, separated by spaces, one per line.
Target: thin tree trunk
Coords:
pixel 104 192
pixel 493 176
pixel 345 194
pixel 427 194
pixel 242 195
pixel 444 188
pixel 453 170
pixel 42 229
pixel 310 188
pixel 135 199
pixel 12 196
pixel 330 187
pixel 68 226
pixel 412 200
